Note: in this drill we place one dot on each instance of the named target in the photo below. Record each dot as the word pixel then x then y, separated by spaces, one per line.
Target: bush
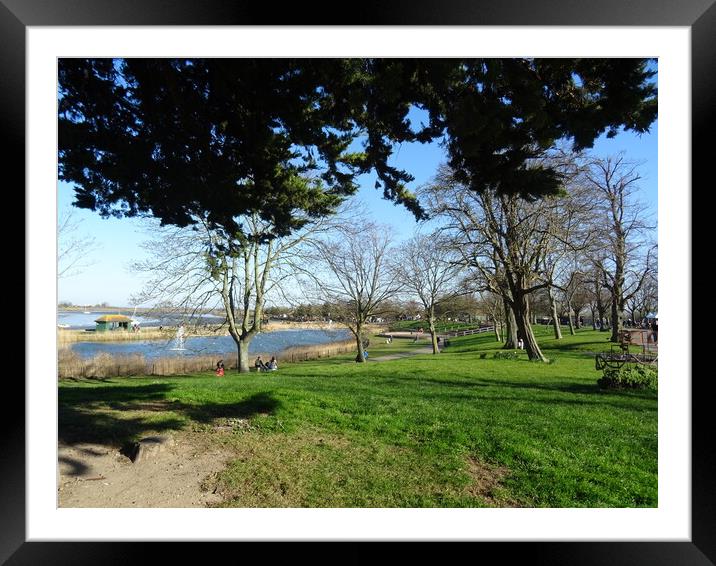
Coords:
pixel 629 376
pixel 483 356
pixel 506 355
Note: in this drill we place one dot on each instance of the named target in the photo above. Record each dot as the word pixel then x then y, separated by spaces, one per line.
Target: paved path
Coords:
pixel 425 350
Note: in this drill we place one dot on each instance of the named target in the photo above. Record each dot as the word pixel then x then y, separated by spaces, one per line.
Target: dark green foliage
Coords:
pixel 629 376
pixel 213 139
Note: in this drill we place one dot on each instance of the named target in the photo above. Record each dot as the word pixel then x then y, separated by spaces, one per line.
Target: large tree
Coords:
pixel 218 138
pixel 506 241
pixel 181 139
pixel 201 269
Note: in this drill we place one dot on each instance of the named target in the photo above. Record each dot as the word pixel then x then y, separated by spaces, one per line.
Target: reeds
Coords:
pixel 68 336
pixel 71 365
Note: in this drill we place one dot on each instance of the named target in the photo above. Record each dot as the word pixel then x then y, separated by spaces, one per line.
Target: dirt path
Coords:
pixel 94 475
pixel 425 350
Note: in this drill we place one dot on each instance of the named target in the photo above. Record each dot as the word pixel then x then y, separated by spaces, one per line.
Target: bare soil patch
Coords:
pixel 95 475
pixel 487 481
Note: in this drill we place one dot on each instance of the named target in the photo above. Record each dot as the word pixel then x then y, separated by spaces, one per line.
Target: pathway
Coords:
pixel 426 350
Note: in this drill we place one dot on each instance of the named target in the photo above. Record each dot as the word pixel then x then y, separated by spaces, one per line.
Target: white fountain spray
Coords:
pixel 179 338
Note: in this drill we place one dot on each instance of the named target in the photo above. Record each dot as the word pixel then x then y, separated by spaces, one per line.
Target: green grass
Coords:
pixel 453 430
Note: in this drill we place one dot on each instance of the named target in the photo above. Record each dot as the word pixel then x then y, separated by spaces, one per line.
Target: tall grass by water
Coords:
pixel 71 365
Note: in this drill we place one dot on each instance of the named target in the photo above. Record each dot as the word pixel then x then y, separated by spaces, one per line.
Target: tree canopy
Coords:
pixel 215 139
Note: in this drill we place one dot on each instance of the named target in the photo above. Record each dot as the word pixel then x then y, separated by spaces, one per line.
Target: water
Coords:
pixel 80 320
pixel 267 342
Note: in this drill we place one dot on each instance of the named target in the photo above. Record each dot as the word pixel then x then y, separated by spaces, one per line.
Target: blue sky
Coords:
pixel 110 280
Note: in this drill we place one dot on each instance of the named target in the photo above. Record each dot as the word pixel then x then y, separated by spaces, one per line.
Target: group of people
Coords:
pixel 260 365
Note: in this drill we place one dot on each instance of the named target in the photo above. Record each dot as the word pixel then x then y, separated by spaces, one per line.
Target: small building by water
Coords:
pixel 112 322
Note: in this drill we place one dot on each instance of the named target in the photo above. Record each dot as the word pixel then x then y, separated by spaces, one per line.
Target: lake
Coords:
pixel 271 343
pixel 79 320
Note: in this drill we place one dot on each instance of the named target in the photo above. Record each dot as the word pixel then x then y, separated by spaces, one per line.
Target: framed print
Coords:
pixel 33 30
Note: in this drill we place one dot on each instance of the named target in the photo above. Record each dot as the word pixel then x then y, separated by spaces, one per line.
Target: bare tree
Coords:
pixel 625 255
pixel 73 248
pixel 494 307
pixel 504 238
pixel 359 274
pixel 645 300
pixel 428 269
pixel 200 268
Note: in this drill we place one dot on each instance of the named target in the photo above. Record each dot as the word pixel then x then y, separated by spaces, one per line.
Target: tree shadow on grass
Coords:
pixel 107 415
pixel 258 404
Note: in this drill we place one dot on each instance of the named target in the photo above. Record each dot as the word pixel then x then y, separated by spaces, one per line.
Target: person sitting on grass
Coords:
pixel 273 364
pixel 260 365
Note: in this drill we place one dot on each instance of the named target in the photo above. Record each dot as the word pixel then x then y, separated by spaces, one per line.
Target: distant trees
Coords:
pixel 623 252
pixel 645 300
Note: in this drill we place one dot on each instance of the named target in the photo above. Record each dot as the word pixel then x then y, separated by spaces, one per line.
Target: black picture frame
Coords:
pixel 699 15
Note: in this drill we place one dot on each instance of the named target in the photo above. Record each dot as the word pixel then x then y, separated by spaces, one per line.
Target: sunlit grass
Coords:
pixel 458 429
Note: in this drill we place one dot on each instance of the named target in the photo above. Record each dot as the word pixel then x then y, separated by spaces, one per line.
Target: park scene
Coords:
pixel 347 283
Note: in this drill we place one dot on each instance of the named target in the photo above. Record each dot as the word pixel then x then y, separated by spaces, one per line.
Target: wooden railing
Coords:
pixel 467 332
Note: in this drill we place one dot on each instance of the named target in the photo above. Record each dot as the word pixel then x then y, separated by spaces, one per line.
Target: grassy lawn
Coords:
pixel 455 430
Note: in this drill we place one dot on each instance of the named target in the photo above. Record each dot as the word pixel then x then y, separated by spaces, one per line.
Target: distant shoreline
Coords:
pixel 67 335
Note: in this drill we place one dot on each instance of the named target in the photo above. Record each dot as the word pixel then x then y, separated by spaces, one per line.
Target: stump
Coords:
pixel 149 447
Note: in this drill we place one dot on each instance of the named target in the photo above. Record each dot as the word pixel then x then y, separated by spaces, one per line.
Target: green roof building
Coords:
pixel 112 322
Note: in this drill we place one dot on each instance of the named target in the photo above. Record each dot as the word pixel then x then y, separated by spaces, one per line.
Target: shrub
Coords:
pixel 629 376
pixel 483 356
pixel 506 355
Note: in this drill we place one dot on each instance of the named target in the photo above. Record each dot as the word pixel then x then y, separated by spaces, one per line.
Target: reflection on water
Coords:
pixel 269 342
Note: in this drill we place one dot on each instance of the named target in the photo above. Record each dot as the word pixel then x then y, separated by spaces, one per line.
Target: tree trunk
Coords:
pixel 360 358
pixel 433 333
pixel 243 349
pixel 570 319
pixel 594 318
pixel 602 322
pixel 618 289
pixel 522 318
pixel 617 313
pixel 497 328
pixel 555 317
pixel 511 327
pixel 617 320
